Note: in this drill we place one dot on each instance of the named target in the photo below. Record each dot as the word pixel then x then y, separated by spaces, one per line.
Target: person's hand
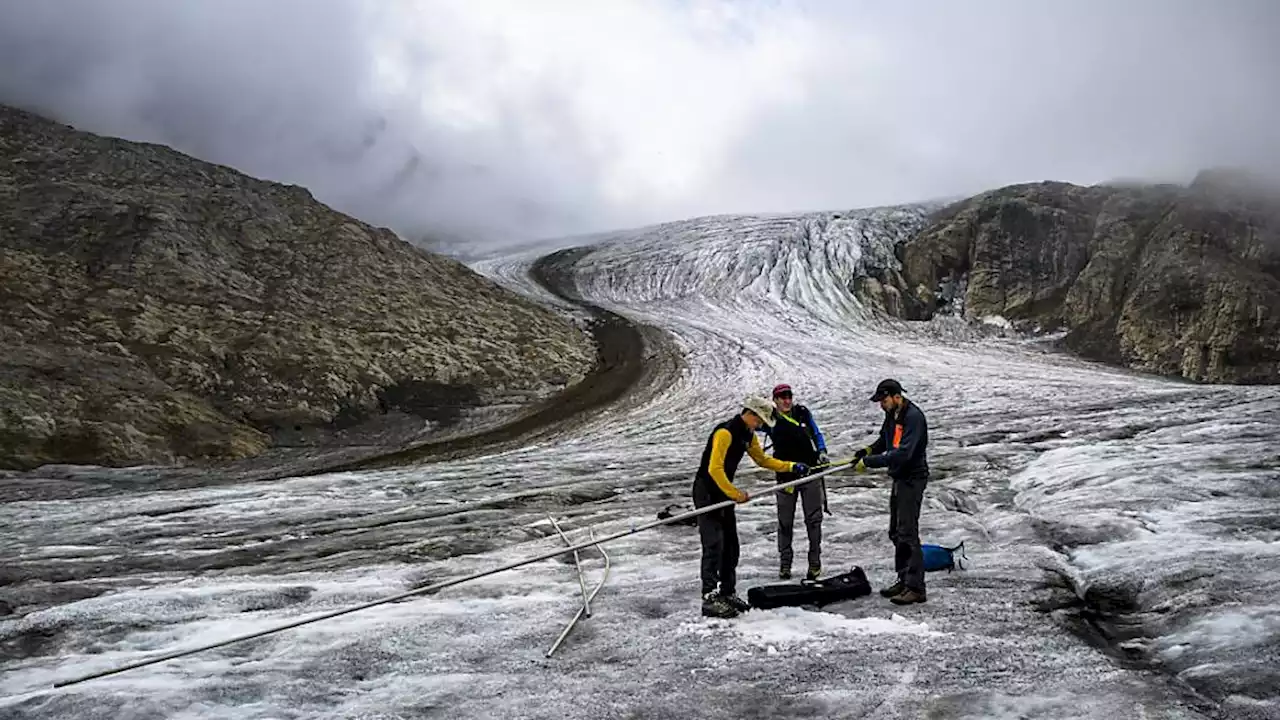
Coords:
pixel 743 496
pixel 800 469
pixel 823 459
pixel 862 452
pixel 860 467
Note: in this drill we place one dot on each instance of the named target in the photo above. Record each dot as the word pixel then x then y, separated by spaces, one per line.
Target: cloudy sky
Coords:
pixel 499 120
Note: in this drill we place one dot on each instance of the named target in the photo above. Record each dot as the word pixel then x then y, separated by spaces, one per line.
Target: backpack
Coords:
pixel 846 586
pixel 937 557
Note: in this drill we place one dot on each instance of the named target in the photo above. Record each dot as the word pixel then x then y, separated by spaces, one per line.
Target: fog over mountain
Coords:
pixel 504 120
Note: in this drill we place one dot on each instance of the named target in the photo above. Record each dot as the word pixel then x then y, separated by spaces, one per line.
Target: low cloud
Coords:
pixel 501 120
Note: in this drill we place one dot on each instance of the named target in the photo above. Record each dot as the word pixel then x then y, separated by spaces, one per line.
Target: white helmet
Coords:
pixel 760 406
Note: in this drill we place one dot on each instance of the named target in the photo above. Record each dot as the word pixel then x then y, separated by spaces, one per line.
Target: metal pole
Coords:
pixel 565 633
pixel 577 561
pixel 448 583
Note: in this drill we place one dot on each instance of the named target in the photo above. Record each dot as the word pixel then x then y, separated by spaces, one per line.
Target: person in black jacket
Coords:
pixel 901 447
pixel 712 484
pixel 796 437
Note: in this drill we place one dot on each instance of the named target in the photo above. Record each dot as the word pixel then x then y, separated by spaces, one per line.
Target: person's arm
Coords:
pixel 715 466
pixel 767 462
pixel 819 440
pixel 912 432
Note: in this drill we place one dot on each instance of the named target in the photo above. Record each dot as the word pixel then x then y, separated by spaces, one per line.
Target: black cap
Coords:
pixel 885 389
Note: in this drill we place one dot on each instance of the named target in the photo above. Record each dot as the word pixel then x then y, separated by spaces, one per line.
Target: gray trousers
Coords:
pixel 811 501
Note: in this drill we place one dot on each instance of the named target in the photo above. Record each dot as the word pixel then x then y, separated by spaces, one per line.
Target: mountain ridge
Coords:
pixel 160 309
pixel 1178 281
pixel 156 308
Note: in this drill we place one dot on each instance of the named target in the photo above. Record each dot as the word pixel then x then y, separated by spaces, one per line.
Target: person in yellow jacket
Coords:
pixel 713 483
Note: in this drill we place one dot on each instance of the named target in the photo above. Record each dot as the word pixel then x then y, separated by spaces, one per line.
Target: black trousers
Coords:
pixel 905 500
pixel 719 533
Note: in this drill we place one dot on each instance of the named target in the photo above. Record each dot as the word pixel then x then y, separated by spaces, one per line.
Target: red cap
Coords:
pixel 780 389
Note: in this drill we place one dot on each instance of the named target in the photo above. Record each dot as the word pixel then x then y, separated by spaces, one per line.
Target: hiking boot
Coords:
pixel 893 590
pixel 736 602
pixel 813 573
pixel 908 597
pixel 784 572
pixel 717 607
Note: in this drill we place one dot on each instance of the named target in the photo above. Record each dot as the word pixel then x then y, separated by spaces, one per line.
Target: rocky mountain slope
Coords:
pixel 1181 281
pixel 156 308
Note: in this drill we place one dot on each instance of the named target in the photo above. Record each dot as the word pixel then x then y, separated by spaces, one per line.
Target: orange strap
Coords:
pixel 897 435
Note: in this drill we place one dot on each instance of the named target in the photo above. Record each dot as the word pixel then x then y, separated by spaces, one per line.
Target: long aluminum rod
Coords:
pixel 450 583
pixel 577 561
pixel 578 615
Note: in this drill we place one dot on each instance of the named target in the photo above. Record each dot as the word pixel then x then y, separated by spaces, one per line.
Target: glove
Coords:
pixel 860 467
pixel 862 452
pixel 800 469
pixel 743 496
pixel 823 459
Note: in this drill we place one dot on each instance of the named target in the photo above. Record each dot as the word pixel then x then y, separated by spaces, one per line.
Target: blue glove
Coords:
pixel 800 469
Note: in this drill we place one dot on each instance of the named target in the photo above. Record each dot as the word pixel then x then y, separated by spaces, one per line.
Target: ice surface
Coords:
pixel 1154 500
pixel 789 626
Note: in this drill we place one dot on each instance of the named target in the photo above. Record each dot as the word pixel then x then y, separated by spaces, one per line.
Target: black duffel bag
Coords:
pixel 847 586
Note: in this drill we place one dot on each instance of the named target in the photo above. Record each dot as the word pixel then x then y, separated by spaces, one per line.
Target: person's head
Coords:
pixel 757 411
pixel 889 394
pixel 783 398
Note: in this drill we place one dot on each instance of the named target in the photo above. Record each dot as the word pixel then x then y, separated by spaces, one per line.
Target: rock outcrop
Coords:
pixel 155 308
pixel 1181 281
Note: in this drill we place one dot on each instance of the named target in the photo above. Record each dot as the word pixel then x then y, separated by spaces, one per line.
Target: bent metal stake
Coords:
pixel 450 583
pixel 565 633
pixel 577 562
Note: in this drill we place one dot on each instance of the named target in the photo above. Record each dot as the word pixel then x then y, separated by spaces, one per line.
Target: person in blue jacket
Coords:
pixel 902 448
pixel 796 437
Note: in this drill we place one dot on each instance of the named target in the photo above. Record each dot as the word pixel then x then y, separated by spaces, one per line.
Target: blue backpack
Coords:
pixel 937 557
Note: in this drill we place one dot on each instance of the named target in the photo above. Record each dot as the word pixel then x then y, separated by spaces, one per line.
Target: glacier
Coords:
pixel 1121 529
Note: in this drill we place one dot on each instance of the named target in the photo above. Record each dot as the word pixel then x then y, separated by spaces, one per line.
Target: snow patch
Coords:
pixel 1234 629
pixel 792 626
